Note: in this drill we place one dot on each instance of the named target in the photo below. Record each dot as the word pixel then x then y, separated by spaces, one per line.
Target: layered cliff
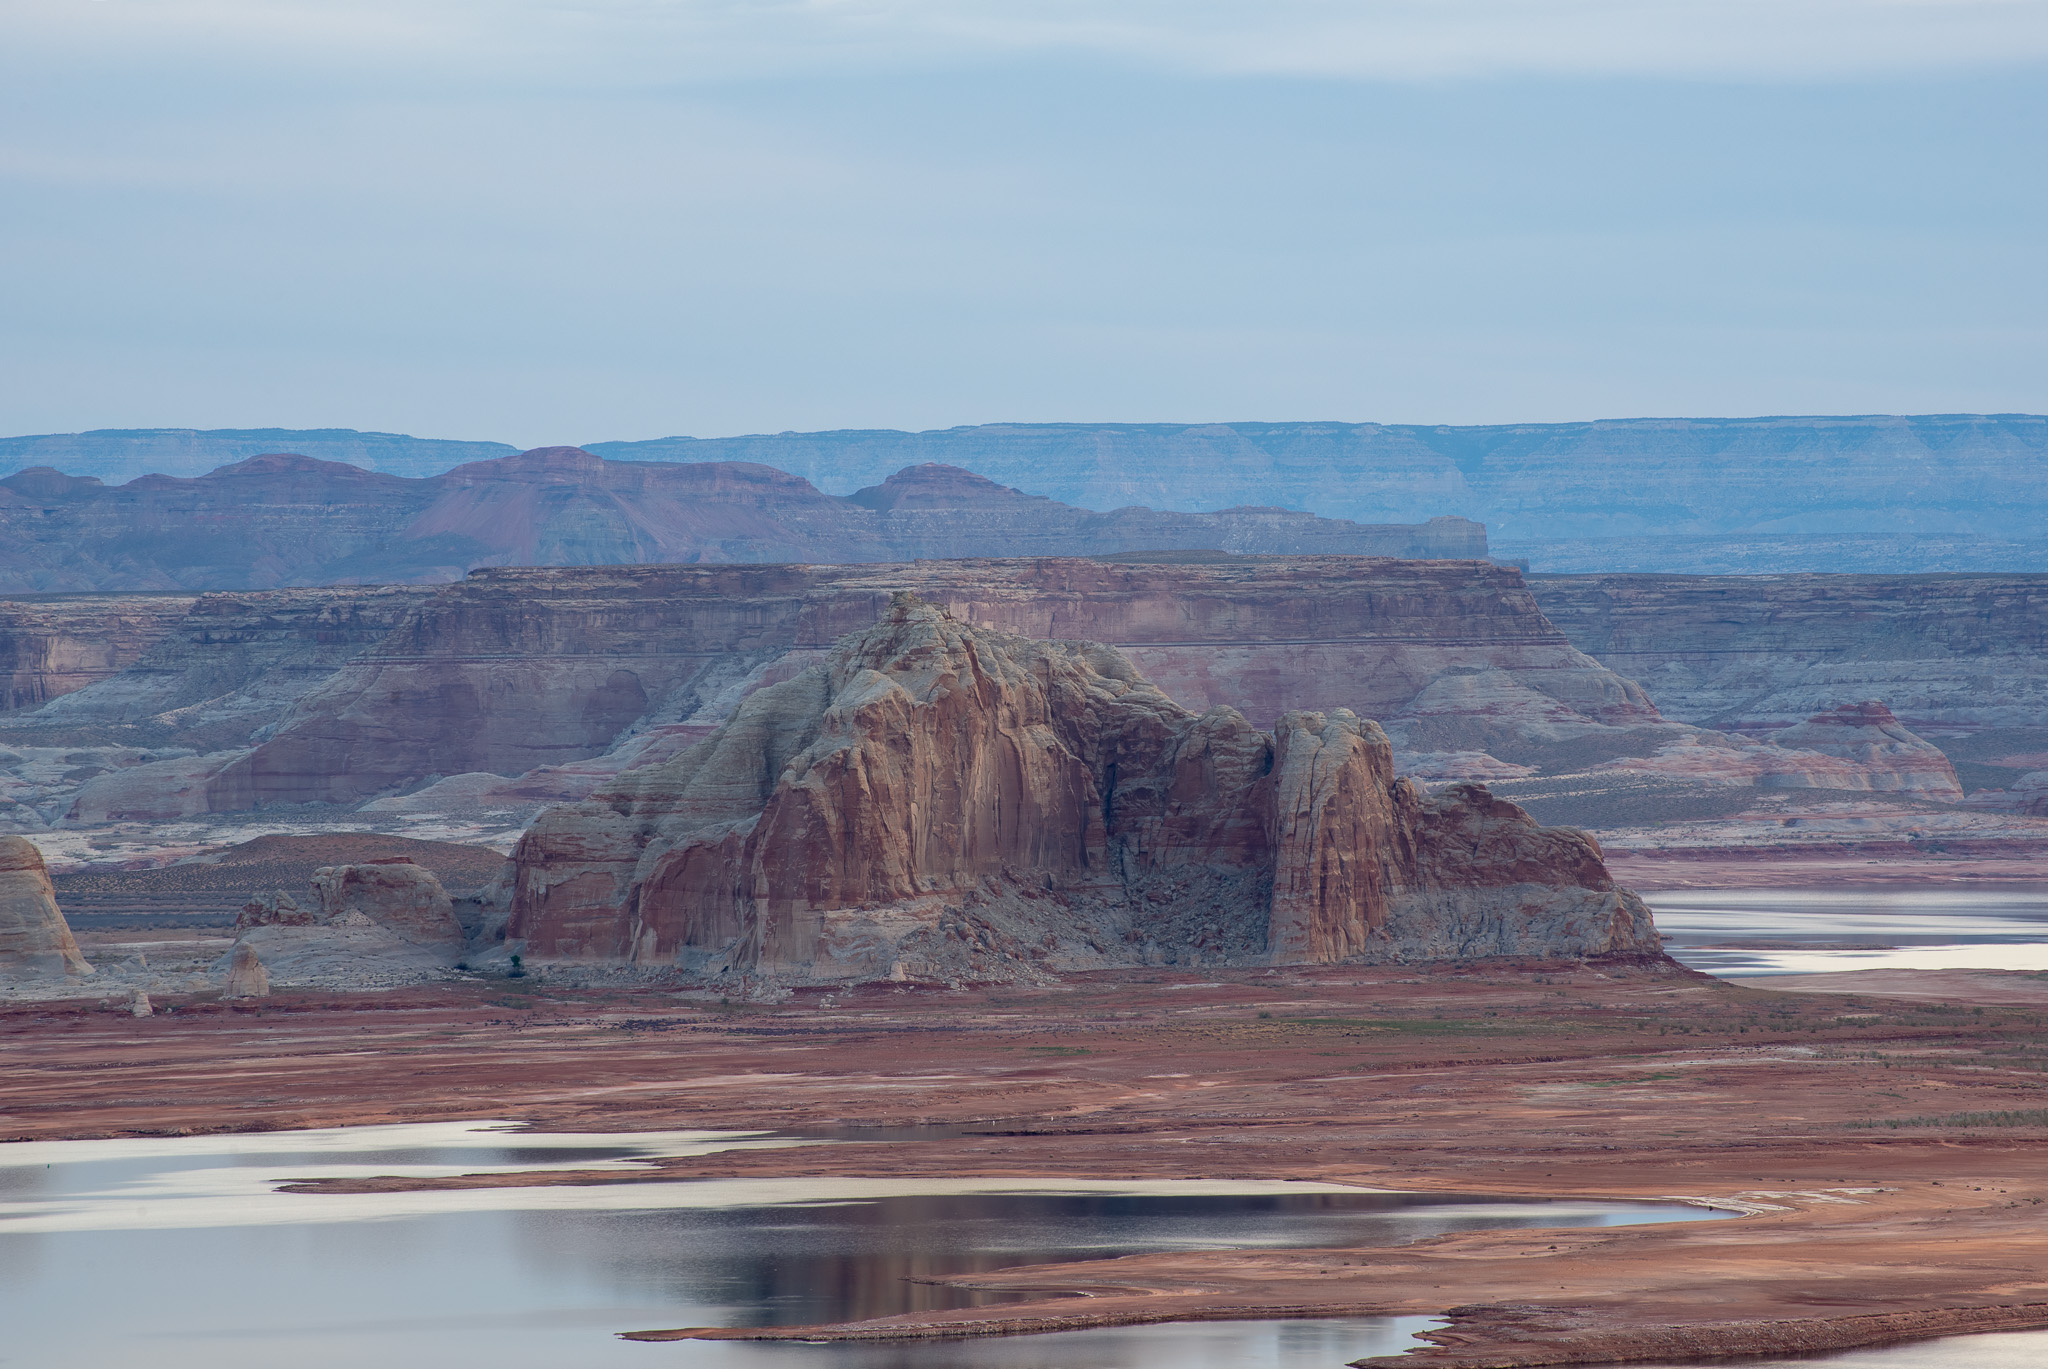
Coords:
pixel 281 520
pixel 1961 660
pixel 517 669
pixel 51 645
pixel 206 678
pixel 939 799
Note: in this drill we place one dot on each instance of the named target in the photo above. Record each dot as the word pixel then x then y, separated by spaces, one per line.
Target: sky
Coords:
pixel 584 220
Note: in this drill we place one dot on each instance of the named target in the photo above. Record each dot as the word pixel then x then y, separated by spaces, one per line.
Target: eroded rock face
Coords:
pixel 396 895
pixel 1891 757
pixel 517 670
pixel 34 938
pixel 940 799
pixel 246 976
pixel 1855 747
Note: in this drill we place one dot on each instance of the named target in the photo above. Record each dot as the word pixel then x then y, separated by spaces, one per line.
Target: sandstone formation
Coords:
pixel 278 519
pixel 1946 653
pixel 516 670
pixel 1857 747
pixel 2027 795
pixel 1888 756
pixel 146 742
pixel 53 645
pixel 274 909
pixel 386 921
pixel 34 938
pixel 246 976
pixel 394 894
pixel 936 799
pixel 518 687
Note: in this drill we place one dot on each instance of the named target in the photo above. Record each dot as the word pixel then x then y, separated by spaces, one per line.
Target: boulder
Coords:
pixel 942 800
pixel 34 938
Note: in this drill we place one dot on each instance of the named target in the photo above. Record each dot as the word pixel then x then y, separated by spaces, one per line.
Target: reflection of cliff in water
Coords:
pixel 848 1261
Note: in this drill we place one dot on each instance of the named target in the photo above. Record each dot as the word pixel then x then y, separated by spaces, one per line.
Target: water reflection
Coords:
pixel 1806 931
pixel 516 1287
pixel 843 1262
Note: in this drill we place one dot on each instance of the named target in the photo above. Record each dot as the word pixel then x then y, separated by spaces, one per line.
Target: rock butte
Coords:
pixel 34 938
pixel 937 800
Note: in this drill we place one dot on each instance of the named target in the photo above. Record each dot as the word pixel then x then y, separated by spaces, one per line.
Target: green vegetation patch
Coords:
pixel 2030 1117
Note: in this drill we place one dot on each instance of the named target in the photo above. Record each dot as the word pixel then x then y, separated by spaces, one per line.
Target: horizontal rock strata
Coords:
pixel 517 669
pixel 936 799
pixel 1945 653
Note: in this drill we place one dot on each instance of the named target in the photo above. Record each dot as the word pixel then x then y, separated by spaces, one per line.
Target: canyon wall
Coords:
pixel 939 800
pixel 282 520
pixel 147 740
pixel 1946 653
pixel 54 644
pixel 514 669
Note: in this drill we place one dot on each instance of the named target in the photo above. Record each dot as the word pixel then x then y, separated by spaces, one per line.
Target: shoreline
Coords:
pixel 1620 1082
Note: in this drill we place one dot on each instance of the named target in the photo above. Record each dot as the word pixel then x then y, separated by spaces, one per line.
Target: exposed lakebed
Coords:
pixel 183 1251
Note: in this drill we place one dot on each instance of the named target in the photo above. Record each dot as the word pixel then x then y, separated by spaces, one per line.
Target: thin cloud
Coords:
pixel 655 40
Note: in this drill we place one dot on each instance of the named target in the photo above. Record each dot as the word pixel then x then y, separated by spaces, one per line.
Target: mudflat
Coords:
pixel 1888 1154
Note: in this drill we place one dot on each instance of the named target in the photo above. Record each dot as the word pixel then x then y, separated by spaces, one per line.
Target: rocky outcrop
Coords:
pixel 380 921
pixel 940 799
pixel 1888 756
pixel 280 519
pixel 2027 795
pixel 275 908
pixel 394 894
pixel 1855 747
pixel 34 938
pixel 246 976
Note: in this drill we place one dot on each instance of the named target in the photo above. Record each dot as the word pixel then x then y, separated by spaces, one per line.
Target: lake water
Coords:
pixel 1812 931
pixel 182 1252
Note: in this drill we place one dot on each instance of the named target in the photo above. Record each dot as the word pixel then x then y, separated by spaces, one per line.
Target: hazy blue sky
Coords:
pixel 590 219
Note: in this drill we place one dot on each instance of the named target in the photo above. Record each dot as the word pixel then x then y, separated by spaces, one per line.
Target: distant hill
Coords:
pixel 285 520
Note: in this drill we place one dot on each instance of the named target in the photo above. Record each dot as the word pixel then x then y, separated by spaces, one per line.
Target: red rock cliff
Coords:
pixel 939 799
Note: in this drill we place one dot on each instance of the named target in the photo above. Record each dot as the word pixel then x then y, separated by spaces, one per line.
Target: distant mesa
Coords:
pixel 944 802
pixel 280 519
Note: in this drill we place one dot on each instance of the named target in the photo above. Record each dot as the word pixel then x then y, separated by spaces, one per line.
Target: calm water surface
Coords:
pixel 179 1253
pixel 1812 931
